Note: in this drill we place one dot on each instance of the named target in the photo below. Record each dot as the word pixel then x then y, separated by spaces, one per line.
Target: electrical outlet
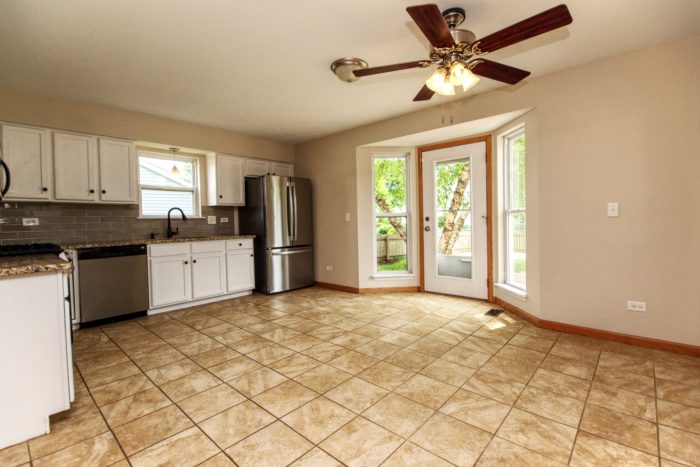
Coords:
pixel 224 220
pixel 613 209
pixel 27 221
pixel 636 306
pixel 211 219
pixel 347 217
pixel 329 268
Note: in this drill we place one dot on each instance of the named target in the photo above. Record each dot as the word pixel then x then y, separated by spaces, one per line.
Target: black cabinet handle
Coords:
pixel 251 256
pixel 187 262
pixel 240 244
pixel 44 189
pixel 221 196
pixel 104 192
pixel 194 261
pixel 92 191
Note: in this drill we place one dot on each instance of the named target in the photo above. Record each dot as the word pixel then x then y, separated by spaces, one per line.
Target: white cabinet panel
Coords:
pixel 240 270
pixel 27 152
pixel 171 280
pixel 254 168
pixel 208 274
pixel 284 170
pixel 225 179
pixel 117 161
pixel 75 167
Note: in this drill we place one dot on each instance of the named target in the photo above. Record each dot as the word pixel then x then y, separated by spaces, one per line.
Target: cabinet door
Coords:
pixel 117 161
pixel 74 164
pixel 27 153
pixel 284 170
pixel 229 180
pixel 240 270
pixel 171 280
pixel 255 168
pixel 208 275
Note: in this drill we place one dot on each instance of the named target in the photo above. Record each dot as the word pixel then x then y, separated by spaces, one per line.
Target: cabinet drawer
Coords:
pixel 169 249
pixel 242 244
pixel 208 247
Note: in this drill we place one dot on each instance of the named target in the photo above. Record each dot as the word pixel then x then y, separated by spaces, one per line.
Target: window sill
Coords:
pixel 512 291
pixel 380 277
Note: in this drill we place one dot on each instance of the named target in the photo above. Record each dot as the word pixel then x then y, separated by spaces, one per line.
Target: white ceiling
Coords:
pixel 261 67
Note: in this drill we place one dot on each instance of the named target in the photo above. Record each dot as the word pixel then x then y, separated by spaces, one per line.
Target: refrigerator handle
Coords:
pixel 296 224
pixel 290 209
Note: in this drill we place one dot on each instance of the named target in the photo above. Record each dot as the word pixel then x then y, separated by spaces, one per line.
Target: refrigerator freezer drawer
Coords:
pixel 289 268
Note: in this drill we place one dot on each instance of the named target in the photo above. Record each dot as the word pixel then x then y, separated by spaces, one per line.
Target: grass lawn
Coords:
pixel 519 265
pixel 399 265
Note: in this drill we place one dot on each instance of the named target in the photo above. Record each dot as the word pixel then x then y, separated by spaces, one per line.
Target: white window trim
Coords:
pixel 376 274
pixel 513 287
pixel 195 182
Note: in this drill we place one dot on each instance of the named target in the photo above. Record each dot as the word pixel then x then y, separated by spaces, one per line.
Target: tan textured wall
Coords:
pixel 614 130
pixel 108 121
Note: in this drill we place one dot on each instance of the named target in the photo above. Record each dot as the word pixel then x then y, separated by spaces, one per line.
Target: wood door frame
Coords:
pixel 486 139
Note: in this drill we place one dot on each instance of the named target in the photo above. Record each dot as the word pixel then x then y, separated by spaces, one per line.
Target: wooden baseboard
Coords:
pixel 374 290
pixel 517 311
pixel 342 288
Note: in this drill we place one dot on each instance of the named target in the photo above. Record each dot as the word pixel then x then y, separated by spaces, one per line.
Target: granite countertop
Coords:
pixel 107 243
pixel 13 266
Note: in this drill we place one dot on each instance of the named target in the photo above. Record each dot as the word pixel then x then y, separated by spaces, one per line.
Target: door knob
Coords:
pixel 427 219
pixel 427 228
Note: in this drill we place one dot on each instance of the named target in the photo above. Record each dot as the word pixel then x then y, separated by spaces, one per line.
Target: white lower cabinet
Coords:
pixel 192 271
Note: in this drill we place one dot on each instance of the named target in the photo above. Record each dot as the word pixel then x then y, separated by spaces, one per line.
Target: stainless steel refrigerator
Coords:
pixel 278 212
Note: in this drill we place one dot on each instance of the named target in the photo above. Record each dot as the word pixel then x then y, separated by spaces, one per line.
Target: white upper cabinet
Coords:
pixel 117 166
pixel 27 152
pixel 276 168
pixel 225 180
pixel 75 167
pixel 257 167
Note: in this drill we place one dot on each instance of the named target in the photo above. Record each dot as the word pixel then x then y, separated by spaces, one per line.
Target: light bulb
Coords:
pixel 469 80
pixel 446 89
pixel 175 170
pixel 436 80
pixel 457 72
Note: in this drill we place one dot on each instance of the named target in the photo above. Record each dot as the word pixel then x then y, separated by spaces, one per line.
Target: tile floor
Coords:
pixel 322 378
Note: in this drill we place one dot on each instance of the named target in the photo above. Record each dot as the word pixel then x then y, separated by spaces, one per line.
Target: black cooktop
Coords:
pixel 30 249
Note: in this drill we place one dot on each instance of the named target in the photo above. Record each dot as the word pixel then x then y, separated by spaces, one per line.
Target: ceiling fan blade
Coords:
pixel 424 94
pixel 432 24
pixel 387 68
pixel 499 71
pixel 534 26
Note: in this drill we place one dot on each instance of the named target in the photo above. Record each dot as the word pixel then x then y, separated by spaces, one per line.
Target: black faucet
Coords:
pixel 170 232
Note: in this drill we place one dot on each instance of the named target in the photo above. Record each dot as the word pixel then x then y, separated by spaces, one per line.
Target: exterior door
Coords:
pixel 454 220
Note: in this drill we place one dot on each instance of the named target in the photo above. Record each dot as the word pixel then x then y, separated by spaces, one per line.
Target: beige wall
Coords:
pixel 108 121
pixel 625 129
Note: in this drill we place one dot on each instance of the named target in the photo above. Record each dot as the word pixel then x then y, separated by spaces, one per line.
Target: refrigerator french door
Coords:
pixel 278 213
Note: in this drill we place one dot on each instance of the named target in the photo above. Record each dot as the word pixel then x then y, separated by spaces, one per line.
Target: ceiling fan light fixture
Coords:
pixel 446 89
pixel 469 80
pixel 457 71
pixel 437 80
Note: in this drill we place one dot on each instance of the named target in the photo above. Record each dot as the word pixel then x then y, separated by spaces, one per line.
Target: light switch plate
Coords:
pixel 613 209
pixel 224 220
pixel 27 221
pixel 211 219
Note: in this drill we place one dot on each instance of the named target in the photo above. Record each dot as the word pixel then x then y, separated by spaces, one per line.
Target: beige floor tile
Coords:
pixel 257 381
pixel 398 414
pixel 101 450
pixel 83 403
pixel 466 357
pixel 109 374
pixel 120 389
pixel 497 335
pixel 356 394
pixel 540 344
pixel 451 439
pixel 551 439
pixel 351 341
pixel 615 361
pixel 280 334
pixel 410 359
pixel 318 419
pixel 322 378
pixel 316 458
pixel 295 365
pixel 234 424
pixel 448 372
pixel 679 446
pixel 186 338
pixel 400 338
pixel 353 362
pixel 361 443
pixel 578 368
pixel 482 345
pixel 234 368
pixel 250 344
pixel 378 349
pixel 373 331
pixel 219 329
pixel 284 398
pixel 98 360
pixel 575 352
pixel 190 385
pixel 494 386
pixel 154 360
pixel 386 375
pixel 215 356
pixel 561 384
pixel 550 405
pixel 682 373
pixel 426 391
pixel 210 402
pixel 501 453
pixel 410 455
pixel 678 392
pixel 678 416
pixel 187 448
pixel 521 355
pixel 151 429
pixel 624 380
pixel 517 371
pixel 270 354
pixel 301 342
pixel 327 333
pixel 219 460
pixel 476 410
pixel 628 402
pixel 431 347
pixel 620 428
pixel 274 445
pixel 592 451
pixel 325 352
pixel 132 407
pixel 67 432
pixel 232 337
pixel 173 371
pixel 14 455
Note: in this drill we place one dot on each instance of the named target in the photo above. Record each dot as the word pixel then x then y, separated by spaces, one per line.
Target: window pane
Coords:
pixel 454 218
pixel 392 244
pixel 516 248
pixel 390 184
pixel 166 172
pixel 516 170
pixel 158 202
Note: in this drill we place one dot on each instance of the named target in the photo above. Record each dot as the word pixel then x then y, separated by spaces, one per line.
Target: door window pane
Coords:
pixel 454 218
pixel 392 244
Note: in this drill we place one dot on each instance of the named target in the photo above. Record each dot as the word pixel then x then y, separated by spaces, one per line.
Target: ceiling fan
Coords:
pixel 457 53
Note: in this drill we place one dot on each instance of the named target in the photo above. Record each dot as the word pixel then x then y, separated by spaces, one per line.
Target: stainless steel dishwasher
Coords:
pixel 112 282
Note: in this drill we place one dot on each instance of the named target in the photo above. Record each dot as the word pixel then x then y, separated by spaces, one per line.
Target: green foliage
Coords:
pixel 390 183
pixel 517 172
pixel 446 176
pixel 399 264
